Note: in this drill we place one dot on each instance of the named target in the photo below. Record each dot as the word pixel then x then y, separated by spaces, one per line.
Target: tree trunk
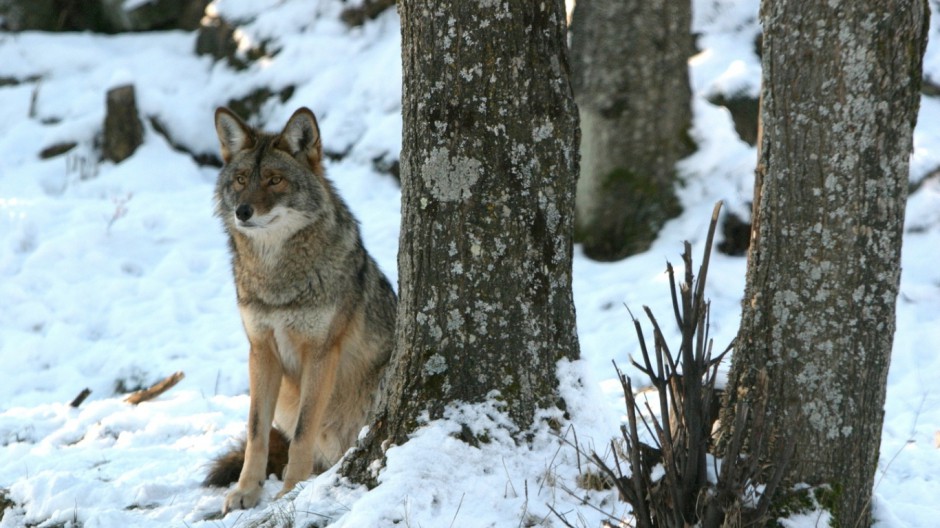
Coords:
pixel 824 264
pixel 631 82
pixel 488 168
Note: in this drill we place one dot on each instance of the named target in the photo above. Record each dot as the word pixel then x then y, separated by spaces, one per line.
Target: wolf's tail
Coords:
pixel 225 469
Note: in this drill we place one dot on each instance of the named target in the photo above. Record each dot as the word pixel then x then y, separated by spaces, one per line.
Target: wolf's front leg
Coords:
pixel 264 373
pixel 318 378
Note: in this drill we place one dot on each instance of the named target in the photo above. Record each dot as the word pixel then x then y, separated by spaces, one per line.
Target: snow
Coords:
pixel 117 275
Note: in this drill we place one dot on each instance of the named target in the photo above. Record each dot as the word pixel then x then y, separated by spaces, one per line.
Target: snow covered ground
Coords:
pixel 113 276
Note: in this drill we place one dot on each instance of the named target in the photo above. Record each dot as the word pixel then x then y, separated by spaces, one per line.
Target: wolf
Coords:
pixel 317 310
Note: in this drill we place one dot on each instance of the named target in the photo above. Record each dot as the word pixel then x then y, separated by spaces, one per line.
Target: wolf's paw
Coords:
pixel 241 499
pixel 288 486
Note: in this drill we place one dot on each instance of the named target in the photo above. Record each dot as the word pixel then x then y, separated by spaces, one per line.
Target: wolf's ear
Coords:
pixel 301 135
pixel 234 134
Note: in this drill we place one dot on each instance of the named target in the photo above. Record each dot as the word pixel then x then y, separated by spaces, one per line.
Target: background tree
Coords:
pixel 631 83
pixel 488 168
pixel 840 98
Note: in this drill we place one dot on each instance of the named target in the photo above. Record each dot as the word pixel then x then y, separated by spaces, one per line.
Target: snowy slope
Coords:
pixel 116 275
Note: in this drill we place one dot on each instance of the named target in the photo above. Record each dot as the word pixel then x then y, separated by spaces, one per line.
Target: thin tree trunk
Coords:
pixel 488 165
pixel 631 82
pixel 839 101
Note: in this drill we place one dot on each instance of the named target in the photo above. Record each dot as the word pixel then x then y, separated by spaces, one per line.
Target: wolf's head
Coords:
pixel 271 185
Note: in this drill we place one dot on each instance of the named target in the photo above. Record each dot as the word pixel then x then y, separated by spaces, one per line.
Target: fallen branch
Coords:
pixel 80 398
pixel 155 390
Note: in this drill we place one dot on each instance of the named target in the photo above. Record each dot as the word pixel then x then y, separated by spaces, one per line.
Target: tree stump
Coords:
pixel 123 130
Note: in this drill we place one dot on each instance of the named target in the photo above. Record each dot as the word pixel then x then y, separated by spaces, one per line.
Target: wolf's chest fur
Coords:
pixel 285 298
pixel 275 274
pixel 283 325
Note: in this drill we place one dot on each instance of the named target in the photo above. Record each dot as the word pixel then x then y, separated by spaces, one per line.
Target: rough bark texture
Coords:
pixel 630 78
pixel 824 264
pixel 488 169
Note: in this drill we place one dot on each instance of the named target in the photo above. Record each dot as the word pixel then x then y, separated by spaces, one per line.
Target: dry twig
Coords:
pixel 156 389
pixel 81 397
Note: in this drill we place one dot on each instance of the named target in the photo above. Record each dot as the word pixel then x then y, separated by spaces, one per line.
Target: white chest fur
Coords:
pixel 290 329
pixel 290 356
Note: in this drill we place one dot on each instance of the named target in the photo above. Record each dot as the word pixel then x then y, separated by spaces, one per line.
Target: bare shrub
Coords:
pixel 668 483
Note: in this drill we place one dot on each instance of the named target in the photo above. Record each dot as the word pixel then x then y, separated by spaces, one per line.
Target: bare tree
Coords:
pixel 631 83
pixel 488 169
pixel 840 97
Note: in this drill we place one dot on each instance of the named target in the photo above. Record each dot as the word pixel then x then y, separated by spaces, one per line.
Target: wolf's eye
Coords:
pixel 275 180
pixel 241 180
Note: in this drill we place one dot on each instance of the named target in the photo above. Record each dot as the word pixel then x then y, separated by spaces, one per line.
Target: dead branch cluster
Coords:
pixel 669 445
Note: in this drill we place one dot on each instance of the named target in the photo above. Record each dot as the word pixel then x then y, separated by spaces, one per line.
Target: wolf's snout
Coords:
pixel 244 212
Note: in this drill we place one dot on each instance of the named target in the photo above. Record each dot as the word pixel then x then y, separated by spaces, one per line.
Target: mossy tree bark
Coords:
pixel 840 97
pixel 631 83
pixel 488 168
